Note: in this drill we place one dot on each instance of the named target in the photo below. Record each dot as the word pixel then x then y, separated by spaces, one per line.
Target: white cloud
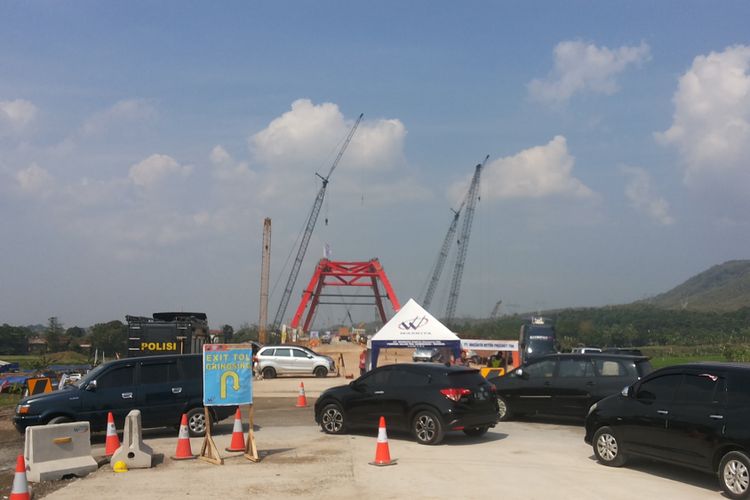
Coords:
pixel 125 111
pixel 225 168
pixel 640 191
pixel 582 67
pixel 153 169
pixel 307 139
pixel 711 122
pixel 537 172
pixel 17 114
pixel 34 180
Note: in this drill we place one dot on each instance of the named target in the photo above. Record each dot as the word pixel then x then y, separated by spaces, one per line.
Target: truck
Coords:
pixel 537 338
pixel 167 333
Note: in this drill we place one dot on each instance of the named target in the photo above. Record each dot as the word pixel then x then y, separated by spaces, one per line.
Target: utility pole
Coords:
pixel 264 272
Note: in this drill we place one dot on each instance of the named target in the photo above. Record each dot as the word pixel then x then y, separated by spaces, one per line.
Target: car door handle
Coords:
pixel 378 392
pixel 546 384
pixel 176 390
pixel 662 412
pixel 716 417
pixel 590 384
pixel 127 395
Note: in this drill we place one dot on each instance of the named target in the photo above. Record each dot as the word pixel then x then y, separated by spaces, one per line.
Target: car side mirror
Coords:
pixel 627 391
pixel 309 356
pixel 522 374
pixel 91 386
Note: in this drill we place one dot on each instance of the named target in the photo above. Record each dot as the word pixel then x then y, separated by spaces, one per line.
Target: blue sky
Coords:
pixel 142 144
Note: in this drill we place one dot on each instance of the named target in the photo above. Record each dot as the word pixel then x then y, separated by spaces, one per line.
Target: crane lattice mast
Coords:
pixel 311 220
pixel 463 241
pixel 437 270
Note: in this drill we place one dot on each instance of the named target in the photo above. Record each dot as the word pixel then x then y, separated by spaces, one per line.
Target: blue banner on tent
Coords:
pixel 227 375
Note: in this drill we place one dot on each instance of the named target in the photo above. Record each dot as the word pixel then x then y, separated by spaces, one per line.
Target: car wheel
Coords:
pixel 476 431
pixel 269 372
pixel 427 427
pixel 320 371
pixel 59 420
pixel 734 474
pixel 332 419
pixel 503 410
pixel 196 422
pixel 607 448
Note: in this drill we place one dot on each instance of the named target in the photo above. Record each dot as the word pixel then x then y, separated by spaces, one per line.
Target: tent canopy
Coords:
pixel 412 326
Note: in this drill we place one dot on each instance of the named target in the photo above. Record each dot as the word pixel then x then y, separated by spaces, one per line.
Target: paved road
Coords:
pixel 529 460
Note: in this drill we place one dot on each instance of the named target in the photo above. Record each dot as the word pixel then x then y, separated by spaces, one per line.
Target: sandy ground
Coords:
pixel 529 459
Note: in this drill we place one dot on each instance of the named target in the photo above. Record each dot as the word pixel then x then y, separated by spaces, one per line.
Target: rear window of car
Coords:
pixel 192 367
pixel 465 378
pixel 615 368
pixel 568 368
pixel 159 372
pixel 739 389
pixel 704 388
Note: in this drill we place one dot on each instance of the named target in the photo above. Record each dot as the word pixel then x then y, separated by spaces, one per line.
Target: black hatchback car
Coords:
pixel 426 399
pixel 161 387
pixel 695 415
pixel 565 384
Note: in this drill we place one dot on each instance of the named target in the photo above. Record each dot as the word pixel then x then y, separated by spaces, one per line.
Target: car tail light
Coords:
pixel 255 359
pixel 493 389
pixel 455 393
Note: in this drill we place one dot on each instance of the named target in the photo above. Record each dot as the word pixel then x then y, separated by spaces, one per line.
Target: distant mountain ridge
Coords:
pixel 722 288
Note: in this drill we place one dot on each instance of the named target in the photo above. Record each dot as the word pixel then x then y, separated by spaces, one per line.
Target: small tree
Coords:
pixel 228 332
pixel 53 334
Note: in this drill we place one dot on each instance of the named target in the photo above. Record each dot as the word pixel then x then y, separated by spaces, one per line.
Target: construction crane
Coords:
pixel 265 271
pixel 463 241
pixel 311 220
pixel 437 269
pixel 496 309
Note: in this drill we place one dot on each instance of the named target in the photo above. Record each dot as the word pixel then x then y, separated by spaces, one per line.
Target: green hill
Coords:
pixel 722 288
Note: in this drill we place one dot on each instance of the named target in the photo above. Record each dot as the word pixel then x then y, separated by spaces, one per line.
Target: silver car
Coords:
pixel 426 354
pixel 292 360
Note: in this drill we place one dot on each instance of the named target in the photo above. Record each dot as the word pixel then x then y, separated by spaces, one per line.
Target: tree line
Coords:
pixel 110 337
pixel 624 326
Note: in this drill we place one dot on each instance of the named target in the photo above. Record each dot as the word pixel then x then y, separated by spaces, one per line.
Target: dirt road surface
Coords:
pixel 529 459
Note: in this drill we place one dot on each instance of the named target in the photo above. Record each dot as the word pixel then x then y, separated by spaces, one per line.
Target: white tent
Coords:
pixel 412 326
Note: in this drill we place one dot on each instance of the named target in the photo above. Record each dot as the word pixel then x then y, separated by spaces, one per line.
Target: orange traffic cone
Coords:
pixel 183 442
pixel 20 490
pixel 112 442
pixel 301 399
pixel 382 454
pixel 238 438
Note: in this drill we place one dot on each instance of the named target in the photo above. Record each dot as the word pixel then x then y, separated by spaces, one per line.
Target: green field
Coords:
pixel 32 362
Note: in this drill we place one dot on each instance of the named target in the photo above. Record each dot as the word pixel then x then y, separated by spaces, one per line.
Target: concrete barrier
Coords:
pixel 58 450
pixel 133 452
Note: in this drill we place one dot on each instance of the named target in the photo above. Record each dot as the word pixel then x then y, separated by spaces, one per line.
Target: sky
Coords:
pixel 142 144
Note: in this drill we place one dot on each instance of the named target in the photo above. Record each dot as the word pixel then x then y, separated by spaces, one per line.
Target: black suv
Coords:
pixel 566 384
pixel 426 399
pixel 161 387
pixel 694 415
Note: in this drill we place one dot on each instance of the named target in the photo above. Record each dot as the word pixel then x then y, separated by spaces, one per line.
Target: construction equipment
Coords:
pixel 311 220
pixel 437 269
pixel 265 269
pixel 463 241
pixel 496 309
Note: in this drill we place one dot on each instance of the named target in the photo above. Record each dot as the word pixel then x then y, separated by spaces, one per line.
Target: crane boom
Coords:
pixel 437 270
pixel 311 220
pixel 463 241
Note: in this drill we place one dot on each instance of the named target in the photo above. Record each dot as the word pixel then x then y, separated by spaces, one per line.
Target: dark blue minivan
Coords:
pixel 161 387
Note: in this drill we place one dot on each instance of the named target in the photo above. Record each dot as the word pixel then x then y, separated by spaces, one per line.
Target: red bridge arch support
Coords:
pixel 330 273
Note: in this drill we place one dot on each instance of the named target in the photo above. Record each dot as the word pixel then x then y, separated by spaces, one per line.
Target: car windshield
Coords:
pixel 540 346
